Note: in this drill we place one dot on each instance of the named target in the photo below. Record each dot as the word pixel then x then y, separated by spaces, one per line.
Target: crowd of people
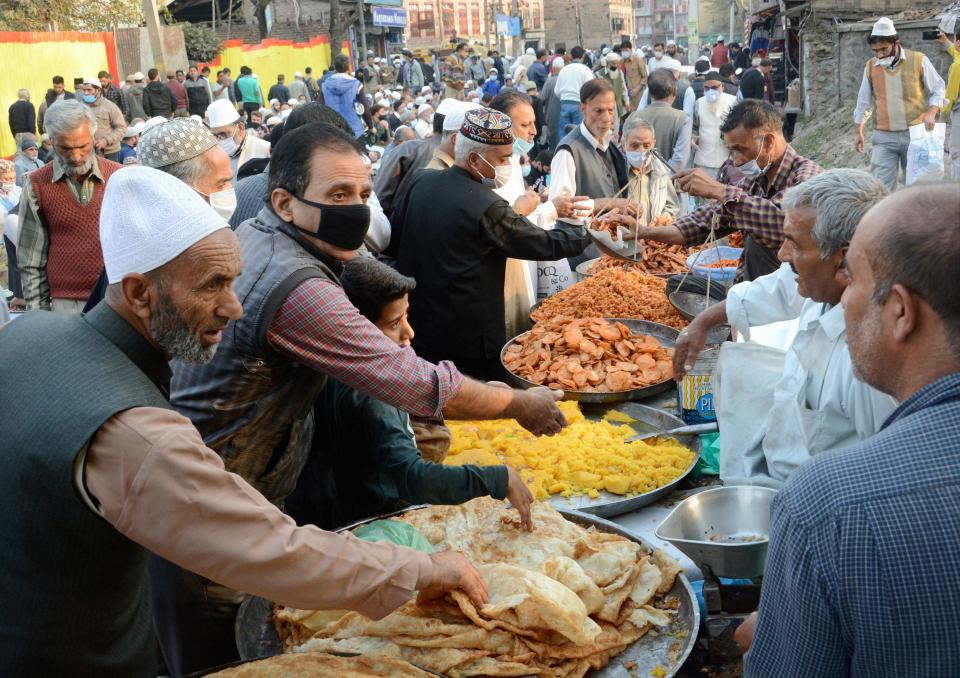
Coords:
pixel 248 318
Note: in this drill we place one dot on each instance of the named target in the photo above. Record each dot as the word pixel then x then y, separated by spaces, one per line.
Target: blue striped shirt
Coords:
pixel 864 560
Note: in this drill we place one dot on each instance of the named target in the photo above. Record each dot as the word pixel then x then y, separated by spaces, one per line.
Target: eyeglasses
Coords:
pixel 220 136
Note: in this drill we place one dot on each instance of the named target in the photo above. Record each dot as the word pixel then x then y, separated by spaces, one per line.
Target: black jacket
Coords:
pixel 454 236
pixel 158 100
pixel 752 84
pixel 23 117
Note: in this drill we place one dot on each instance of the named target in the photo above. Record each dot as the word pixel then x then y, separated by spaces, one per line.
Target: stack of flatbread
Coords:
pixel 312 664
pixel 563 599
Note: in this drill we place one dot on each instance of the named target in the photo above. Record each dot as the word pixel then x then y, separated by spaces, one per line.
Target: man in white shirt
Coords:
pixel 572 77
pixel 776 409
pixel 709 113
pixel 658 59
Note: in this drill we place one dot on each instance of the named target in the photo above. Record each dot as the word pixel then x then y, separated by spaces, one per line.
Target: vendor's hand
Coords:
pixel 536 410
pixel 942 38
pixel 859 141
pixel 929 120
pixel 744 633
pixel 526 203
pixel 452 571
pixel 566 205
pixel 699 184
pixel 520 496
pixel 619 217
pixel 625 205
pixel 689 345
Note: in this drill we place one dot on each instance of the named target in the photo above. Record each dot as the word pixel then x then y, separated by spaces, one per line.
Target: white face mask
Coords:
pixel 887 62
pixel 625 54
pixel 637 159
pixel 224 202
pixel 751 169
pixel 7 187
pixel 712 95
pixel 501 174
pixel 658 53
pixel 230 145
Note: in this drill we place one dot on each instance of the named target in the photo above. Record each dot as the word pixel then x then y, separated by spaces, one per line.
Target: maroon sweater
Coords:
pixel 74 257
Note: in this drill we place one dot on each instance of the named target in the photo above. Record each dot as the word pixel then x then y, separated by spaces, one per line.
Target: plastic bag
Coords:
pixel 925 153
pixel 709 462
pixel 395 531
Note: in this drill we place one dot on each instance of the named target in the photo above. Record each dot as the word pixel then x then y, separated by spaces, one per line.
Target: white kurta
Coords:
pixel 520 277
pixel 774 418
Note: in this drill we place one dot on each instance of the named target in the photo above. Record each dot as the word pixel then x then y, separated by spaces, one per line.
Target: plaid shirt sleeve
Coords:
pixel 32 244
pixel 319 326
pixel 751 206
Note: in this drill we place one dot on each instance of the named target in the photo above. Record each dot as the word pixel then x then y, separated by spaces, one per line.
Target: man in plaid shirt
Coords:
pixel 865 541
pixel 754 134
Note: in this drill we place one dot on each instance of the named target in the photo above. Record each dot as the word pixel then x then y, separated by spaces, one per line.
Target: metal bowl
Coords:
pixel 646 419
pixel 726 528
pixel 667 336
pixel 256 636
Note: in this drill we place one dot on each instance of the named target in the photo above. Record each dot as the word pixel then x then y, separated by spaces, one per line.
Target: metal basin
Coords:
pixel 667 336
pixel 726 528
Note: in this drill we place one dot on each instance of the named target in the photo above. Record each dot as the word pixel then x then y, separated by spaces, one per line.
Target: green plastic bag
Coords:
pixel 396 531
pixel 709 462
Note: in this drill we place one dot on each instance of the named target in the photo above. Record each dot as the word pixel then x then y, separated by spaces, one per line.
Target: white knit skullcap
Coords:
pixel 149 218
pixel 884 28
pixel 222 113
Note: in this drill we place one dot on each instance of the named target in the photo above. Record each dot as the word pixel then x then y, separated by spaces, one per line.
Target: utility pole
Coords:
pixel 363 34
pixel 153 31
pixel 576 9
pixel 517 39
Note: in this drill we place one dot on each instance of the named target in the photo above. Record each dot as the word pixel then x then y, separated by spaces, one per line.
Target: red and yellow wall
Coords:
pixel 271 57
pixel 31 59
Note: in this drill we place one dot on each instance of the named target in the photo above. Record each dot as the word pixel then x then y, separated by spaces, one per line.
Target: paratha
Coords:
pixel 563 599
pixel 313 664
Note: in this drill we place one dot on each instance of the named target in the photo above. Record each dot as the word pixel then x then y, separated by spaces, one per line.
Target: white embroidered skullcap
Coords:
pixel 148 218
pixel 174 141
pixel 884 28
pixel 221 113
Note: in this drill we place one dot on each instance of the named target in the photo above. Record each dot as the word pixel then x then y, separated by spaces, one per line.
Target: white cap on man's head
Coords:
pixel 298 74
pixel 426 88
pixel 531 50
pixel 884 28
pixel 671 43
pixel 149 218
pixel 455 112
pixel 93 81
pixel 671 64
pixel 221 112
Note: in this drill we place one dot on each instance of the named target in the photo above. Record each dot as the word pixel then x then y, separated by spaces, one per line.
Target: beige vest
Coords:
pixel 898 92
pixel 713 152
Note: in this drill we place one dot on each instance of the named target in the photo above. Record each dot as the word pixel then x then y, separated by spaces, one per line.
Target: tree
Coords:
pixel 66 15
pixel 260 11
pixel 202 43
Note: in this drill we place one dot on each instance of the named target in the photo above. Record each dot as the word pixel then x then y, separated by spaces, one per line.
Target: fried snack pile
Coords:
pixel 735 239
pixel 656 257
pixel 614 293
pixel 591 355
pixel 563 599
pixel 611 227
pixel 311 664
pixel 585 458
pixel 723 263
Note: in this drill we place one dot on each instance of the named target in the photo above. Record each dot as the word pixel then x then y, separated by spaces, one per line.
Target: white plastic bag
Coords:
pixel 925 153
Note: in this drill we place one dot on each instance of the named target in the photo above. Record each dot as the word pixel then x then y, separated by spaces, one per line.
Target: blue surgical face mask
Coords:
pixel 751 169
pixel 712 95
pixel 637 158
pixel 89 98
pixel 522 146
pixel 525 170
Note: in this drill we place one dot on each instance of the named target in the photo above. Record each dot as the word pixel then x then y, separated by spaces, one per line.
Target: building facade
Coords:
pixel 435 24
pixel 590 23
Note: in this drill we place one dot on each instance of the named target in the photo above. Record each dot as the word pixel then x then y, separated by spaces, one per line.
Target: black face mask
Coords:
pixel 342 226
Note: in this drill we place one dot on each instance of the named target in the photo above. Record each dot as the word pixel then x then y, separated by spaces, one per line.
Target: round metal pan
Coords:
pixel 255 632
pixel 647 419
pixel 667 336
pixel 690 304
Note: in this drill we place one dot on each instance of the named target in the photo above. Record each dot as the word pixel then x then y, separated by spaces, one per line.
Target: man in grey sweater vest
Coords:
pixel 672 128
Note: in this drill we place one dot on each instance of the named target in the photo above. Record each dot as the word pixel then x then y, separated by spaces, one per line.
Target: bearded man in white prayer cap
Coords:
pixel 184 148
pixel 905 89
pixel 120 473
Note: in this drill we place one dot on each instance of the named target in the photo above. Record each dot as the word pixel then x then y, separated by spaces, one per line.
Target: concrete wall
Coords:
pixel 560 22
pixel 834 59
pixel 134 52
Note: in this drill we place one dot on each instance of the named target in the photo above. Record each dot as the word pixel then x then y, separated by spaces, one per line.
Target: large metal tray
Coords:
pixel 667 336
pixel 256 636
pixel 647 419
